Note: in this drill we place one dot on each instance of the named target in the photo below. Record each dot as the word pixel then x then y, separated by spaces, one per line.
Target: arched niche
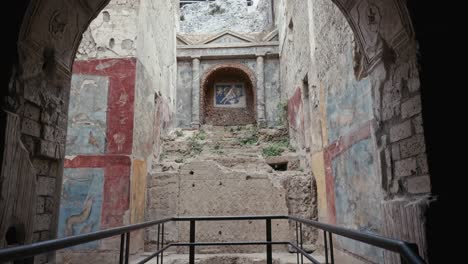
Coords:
pixel 228 96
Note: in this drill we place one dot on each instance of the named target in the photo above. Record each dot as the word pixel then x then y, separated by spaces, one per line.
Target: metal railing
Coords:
pixel 185 2
pixel 407 251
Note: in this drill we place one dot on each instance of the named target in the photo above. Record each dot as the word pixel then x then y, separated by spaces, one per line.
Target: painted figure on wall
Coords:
pixel 81 203
pixel 230 95
pixel 87 124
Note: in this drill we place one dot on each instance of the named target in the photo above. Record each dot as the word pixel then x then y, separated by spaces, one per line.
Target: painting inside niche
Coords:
pixel 230 95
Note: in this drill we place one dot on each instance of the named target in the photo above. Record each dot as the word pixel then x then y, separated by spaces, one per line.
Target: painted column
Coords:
pixel 261 90
pixel 196 92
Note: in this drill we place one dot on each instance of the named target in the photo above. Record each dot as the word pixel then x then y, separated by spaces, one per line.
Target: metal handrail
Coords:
pixel 406 250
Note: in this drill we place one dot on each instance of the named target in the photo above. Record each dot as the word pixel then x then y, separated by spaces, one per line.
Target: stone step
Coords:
pixel 241 258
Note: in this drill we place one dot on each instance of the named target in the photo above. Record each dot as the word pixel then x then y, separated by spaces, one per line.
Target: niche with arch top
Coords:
pixel 228 96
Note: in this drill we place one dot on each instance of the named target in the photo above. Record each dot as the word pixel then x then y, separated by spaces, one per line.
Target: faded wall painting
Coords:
pixel 356 207
pixel 230 95
pixel 87 123
pixel 349 105
pixel 81 203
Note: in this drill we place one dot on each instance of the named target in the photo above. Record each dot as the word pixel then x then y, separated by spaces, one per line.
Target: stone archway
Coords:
pixel 230 78
pixel 39 96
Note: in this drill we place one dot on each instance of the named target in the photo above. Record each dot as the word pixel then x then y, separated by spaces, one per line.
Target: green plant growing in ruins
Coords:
pixel 201 135
pixel 162 156
pixel 251 140
pixel 275 149
pixel 179 133
pixel 217 147
pixel 179 160
pixel 194 143
pixel 195 146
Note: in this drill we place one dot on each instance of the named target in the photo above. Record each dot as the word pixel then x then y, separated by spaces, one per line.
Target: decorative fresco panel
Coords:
pixel 87 122
pixel 230 96
pixel 81 203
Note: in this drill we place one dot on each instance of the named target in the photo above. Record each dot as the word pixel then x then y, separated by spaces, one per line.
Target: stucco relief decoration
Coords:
pixel 370 18
pixel 58 24
pixel 230 96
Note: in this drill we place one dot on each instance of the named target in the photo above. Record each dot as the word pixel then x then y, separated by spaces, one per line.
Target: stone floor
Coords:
pixel 251 258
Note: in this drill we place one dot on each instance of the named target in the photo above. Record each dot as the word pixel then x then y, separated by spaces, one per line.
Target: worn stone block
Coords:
pixel 29 143
pixel 36 237
pixel 42 222
pixel 40 205
pixel 418 185
pixel 414 84
pixel 41 166
pixel 422 164
pixel 418 124
pixel 412 146
pixel 32 90
pixel 45 235
pixel 49 149
pixel 32 111
pixel 396 152
pixel 411 107
pixel 405 167
pixel 62 121
pixel 49 205
pixel 45 186
pixel 48 133
pixel 49 116
pixel 31 127
pixel 40 259
pixel 401 131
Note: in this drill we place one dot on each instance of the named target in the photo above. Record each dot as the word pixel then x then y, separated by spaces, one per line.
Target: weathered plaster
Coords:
pixel 206 17
pixel 115 112
pixel 113 33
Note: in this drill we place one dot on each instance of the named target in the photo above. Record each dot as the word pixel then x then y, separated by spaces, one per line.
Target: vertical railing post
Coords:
pixel 122 246
pixel 326 246
pixel 162 244
pixel 297 241
pixel 268 239
pixel 192 240
pixel 332 257
pixel 157 244
pixel 302 242
pixel 127 248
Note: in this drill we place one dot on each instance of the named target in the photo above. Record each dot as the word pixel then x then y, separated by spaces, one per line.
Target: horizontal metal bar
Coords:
pixel 155 254
pixel 240 243
pixel 305 254
pixel 22 252
pixel 230 218
pixel 368 238
pixel 26 251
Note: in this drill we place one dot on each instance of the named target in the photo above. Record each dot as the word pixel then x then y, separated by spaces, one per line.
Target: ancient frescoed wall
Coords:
pixel 361 88
pixel 96 185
